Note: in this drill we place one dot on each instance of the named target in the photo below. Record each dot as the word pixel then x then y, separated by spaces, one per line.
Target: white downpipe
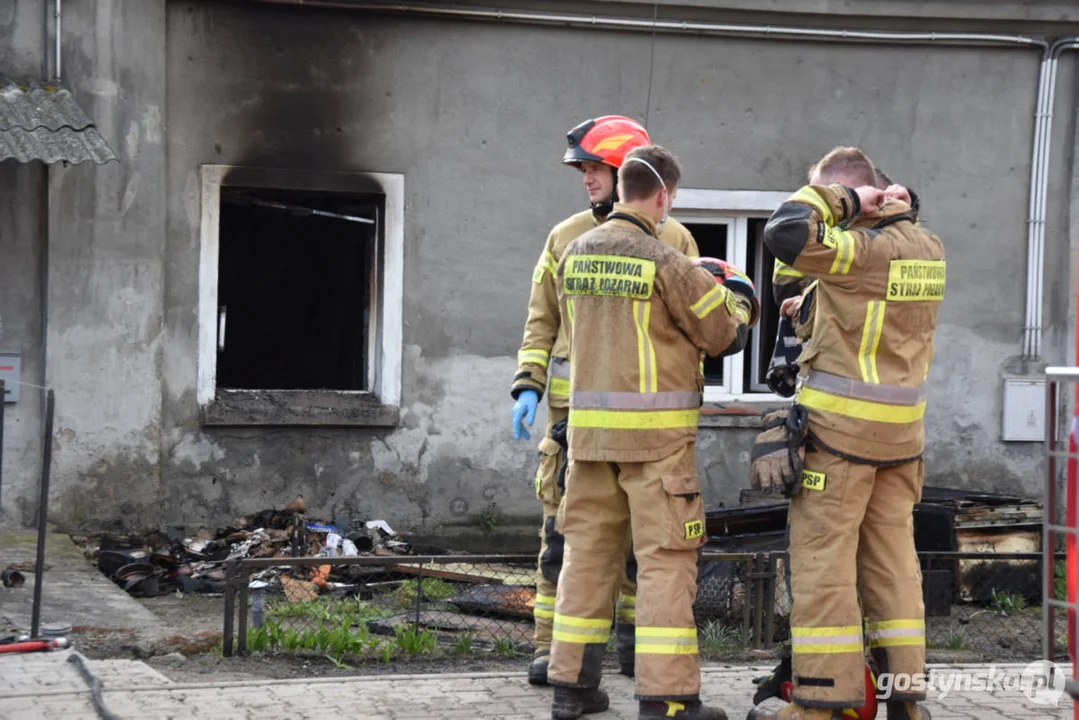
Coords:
pixel 1032 343
pixel 59 24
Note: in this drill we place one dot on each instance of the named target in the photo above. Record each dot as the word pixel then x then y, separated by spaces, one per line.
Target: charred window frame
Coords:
pixel 363 386
pixel 729 224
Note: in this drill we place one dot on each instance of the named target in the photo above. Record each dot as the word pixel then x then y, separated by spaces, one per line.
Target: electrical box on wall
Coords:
pixel 1024 410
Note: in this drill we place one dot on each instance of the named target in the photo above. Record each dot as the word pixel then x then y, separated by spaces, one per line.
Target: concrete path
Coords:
pixel 48 685
pixel 75 592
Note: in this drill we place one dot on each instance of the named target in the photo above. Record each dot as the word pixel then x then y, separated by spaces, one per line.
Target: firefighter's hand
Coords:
pixel 897 192
pixel 791 306
pixel 869 198
pixel 524 412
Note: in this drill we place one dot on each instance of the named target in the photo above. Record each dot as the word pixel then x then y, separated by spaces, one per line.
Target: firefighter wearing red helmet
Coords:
pixel 597 148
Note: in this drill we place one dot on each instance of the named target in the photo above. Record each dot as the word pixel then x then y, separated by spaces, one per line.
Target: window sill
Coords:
pixel 323 408
pixel 737 413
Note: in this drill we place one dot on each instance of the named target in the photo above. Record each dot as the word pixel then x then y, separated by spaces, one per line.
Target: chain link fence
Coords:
pixel 386 607
pixel 979 606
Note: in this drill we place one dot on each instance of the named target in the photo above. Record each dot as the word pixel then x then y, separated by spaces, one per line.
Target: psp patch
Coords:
pixel 812 480
pixel 694 529
pixel 537 274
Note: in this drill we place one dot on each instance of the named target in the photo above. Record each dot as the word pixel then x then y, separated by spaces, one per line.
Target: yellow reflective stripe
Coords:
pixel 709 301
pixel 550 262
pixel 808 196
pixel 649 649
pixel 629 420
pixel 580 638
pixel 533 357
pixel 784 270
pixel 843 242
pixel 854 647
pixel 666 641
pixel 569 310
pixel 896 633
pixel 627 600
pixel 646 351
pixel 558 386
pixel 826 640
pixel 867 353
pixel 627 614
pixel 544 607
pixel 583 631
pixel 665 632
pixel 861 409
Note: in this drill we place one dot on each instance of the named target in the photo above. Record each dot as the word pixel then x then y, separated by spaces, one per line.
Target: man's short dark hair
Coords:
pixel 848 162
pixel 636 180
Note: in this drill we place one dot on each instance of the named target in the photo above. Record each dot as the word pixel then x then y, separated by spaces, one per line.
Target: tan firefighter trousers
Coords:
pixel 661 502
pixel 552 548
pixel 851 532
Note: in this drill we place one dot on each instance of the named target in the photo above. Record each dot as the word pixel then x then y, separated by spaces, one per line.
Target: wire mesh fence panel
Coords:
pixel 405 606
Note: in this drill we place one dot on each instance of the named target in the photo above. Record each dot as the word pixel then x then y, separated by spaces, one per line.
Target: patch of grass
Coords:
pixel 330 611
pixel 714 636
pixel 413 641
pixel 1060 581
pixel 1006 603
pixel 505 647
pixel 956 642
pixel 463 644
pixel 385 650
pixel 337 640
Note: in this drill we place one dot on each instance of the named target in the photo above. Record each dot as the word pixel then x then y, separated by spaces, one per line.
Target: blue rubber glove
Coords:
pixel 524 409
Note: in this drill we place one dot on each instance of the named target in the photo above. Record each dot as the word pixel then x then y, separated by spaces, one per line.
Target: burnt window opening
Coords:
pixel 295 289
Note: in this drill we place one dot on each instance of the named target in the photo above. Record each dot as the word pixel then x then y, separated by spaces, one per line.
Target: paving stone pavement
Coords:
pixel 48 685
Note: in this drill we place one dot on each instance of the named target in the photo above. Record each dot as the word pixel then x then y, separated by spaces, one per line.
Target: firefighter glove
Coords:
pixel 779 452
pixel 524 412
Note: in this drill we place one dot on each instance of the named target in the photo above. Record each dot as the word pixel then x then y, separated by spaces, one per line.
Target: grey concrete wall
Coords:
pixel 21 325
pixel 105 276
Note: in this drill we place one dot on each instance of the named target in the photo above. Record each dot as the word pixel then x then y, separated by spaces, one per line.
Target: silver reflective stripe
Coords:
pixel 858 390
pixel 671 400
pixel 559 368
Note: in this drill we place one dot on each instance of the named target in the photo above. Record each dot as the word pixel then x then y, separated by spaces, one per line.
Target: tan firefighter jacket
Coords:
pixel 880 284
pixel 638 314
pixel 543 360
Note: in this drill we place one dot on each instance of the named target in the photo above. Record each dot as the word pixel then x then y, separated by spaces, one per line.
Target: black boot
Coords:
pixel 571 703
pixel 537 670
pixel 769 685
pixel 681 710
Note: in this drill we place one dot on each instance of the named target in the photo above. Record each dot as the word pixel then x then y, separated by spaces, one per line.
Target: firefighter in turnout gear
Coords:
pixel 638 314
pixel 596 148
pixel 880 281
